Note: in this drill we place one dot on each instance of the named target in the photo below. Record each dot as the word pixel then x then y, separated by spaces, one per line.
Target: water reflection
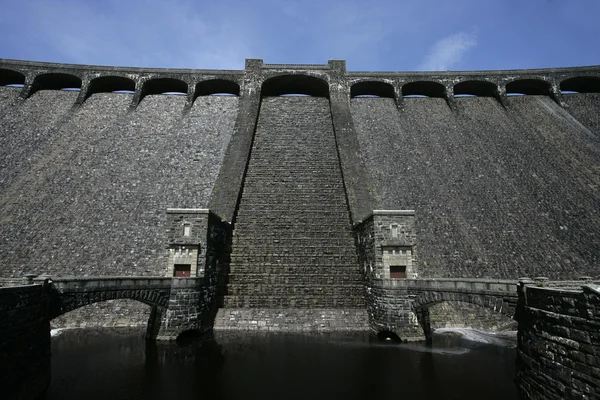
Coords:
pixel 109 363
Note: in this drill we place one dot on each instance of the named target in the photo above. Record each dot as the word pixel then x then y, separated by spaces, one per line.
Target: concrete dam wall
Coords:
pixel 502 186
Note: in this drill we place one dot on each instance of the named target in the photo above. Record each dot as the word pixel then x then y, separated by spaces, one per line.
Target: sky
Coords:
pixel 382 35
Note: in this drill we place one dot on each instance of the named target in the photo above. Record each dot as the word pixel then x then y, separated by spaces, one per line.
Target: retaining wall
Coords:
pixel 558 354
pixel 24 341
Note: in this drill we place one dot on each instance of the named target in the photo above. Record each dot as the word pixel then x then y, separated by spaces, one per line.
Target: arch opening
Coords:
pixel 217 87
pixel 295 85
pixel 164 86
pixel 56 81
pixel 535 87
pixel 465 314
pixel 372 89
pixel 580 84
pixel 11 78
pixel 111 84
pixel 475 88
pixel 388 336
pixel 108 313
pixel 423 89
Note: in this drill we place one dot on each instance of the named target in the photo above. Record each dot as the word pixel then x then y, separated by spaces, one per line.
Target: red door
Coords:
pixel 182 270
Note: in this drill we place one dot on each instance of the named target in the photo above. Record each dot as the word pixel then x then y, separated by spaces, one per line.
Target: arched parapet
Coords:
pixel 111 83
pixel 529 86
pixel 424 88
pixel 9 77
pixel 475 87
pixel 52 81
pixel 373 88
pixel 497 303
pixel 216 86
pixel 297 83
pixel 534 86
pixel 158 85
pixel 212 86
pixel 581 84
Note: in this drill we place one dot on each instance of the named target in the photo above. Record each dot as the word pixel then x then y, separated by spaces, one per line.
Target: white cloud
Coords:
pixel 448 52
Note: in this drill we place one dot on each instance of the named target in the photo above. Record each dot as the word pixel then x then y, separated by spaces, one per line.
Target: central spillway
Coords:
pixel 293 247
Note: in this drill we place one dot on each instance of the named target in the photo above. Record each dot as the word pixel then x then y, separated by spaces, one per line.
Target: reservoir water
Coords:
pixel 119 364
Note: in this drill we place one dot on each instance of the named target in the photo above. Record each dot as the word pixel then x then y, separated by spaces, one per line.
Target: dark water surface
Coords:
pixel 116 364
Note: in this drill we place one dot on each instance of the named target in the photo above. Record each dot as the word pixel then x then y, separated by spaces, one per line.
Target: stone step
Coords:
pixel 317 262
pixel 293 302
pixel 282 269
pixel 293 208
pixel 292 320
pixel 272 252
pixel 285 242
pixel 250 289
pixel 282 218
pixel 339 277
pixel 295 237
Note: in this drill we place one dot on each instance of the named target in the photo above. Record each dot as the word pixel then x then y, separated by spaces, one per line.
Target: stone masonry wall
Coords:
pixel 24 342
pixel 100 208
pixel 390 310
pixel 558 354
pixel 499 192
pixel 293 245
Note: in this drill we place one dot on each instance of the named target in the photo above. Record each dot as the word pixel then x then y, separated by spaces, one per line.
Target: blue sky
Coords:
pixel 384 35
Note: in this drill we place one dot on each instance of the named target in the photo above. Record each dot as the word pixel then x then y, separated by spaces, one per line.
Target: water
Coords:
pixel 116 364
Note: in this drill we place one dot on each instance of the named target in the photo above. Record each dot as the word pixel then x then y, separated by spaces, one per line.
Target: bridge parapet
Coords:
pixel 450 284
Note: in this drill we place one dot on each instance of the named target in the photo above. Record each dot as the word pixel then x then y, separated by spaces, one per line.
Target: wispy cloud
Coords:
pixel 151 33
pixel 449 51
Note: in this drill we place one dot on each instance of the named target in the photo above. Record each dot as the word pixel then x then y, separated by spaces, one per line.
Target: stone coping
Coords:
pixel 43 64
pixel 188 211
pixel 406 213
pixel 87 67
pixel 594 288
pixel 393 212
pixel 504 286
pixel 192 211
pixel 20 287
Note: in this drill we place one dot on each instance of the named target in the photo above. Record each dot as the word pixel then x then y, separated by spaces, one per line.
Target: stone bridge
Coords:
pixel 401 306
pixel 72 293
pixel 177 304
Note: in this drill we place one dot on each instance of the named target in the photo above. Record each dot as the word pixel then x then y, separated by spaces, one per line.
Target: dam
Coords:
pixel 295 198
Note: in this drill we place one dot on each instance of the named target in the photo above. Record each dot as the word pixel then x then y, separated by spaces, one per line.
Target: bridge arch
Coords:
pixel 494 303
pixel 11 77
pixel 104 313
pixel 55 81
pixel 528 87
pixel 372 88
pixel 424 88
pixel 475 88
pixel 108 84
pixel 66 302
pixel 581 84
pixel 295 84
